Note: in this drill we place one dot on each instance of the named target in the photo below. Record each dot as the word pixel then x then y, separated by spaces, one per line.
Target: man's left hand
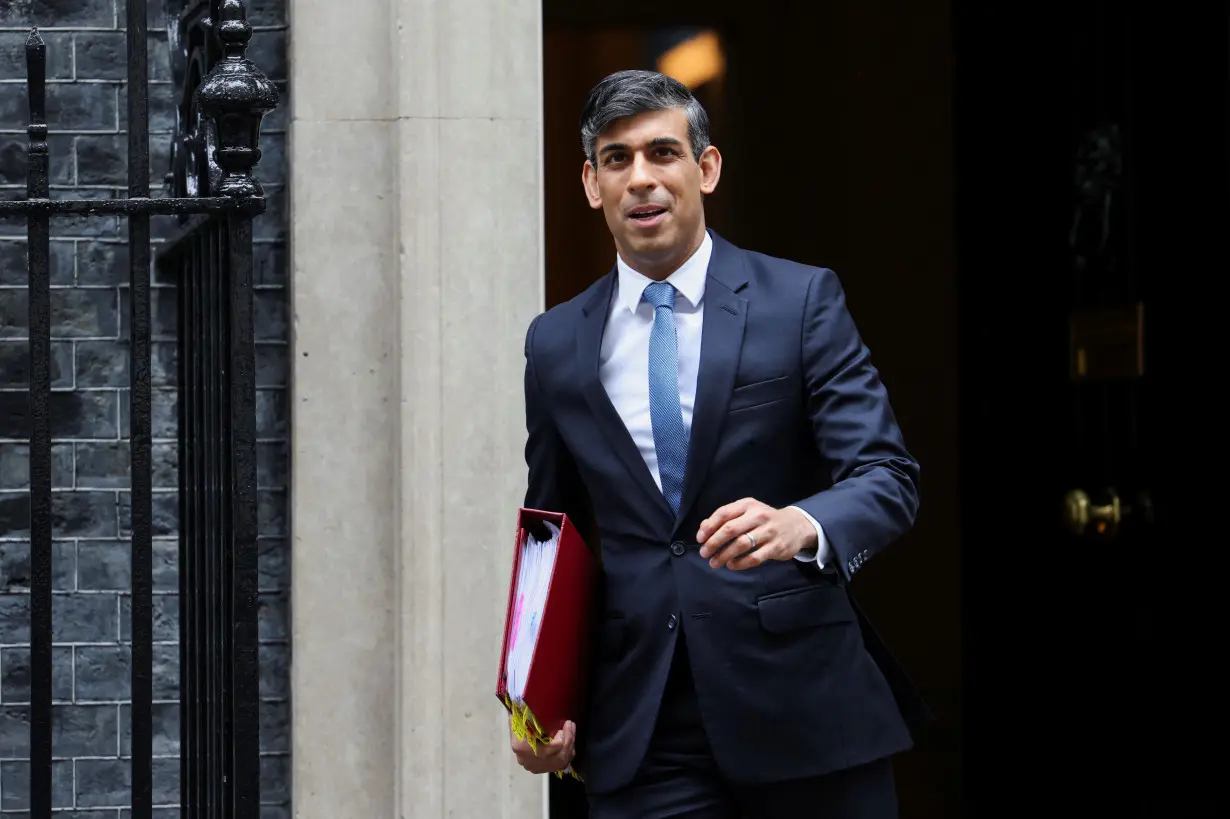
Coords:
pixel 746 533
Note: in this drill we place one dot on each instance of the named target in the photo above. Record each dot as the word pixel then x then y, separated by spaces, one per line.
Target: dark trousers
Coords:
pixel 679 780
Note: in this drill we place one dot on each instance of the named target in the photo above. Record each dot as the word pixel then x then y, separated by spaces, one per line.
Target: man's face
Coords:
pixel 650 189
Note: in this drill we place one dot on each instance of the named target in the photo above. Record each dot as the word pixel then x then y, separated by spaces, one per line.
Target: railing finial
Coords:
pixel 233 28
pixel 236 96
pixel 36 71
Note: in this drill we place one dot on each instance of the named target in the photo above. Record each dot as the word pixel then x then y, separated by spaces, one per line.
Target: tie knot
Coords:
pixel 660 294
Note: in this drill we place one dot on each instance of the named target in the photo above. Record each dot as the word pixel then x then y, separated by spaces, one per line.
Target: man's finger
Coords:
pixel 727 543
pixel 563 737
pixel 720 516
pixel 562 743
pixel 753 559
pixel 737 548
pixel 729 540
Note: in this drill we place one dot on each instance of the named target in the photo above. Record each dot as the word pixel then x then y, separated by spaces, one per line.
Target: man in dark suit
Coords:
pixel 711 419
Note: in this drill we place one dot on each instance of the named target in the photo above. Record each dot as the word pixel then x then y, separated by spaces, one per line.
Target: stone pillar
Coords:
pixel 417 265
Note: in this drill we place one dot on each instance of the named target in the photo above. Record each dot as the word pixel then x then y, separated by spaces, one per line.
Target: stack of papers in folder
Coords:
pixel 533 580
pixel 547 628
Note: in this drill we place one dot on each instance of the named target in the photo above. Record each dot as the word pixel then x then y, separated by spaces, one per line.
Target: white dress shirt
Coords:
pixel 624 366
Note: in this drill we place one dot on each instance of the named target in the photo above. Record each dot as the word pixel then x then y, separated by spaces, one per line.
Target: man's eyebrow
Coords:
pixel 653 143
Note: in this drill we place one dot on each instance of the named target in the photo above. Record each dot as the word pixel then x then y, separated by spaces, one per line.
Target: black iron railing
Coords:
pixel 222 99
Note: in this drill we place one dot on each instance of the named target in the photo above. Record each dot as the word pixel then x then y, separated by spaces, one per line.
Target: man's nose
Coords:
pixel 642 175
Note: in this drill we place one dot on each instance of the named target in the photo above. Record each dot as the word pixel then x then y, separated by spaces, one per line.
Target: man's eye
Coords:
pixel 667 152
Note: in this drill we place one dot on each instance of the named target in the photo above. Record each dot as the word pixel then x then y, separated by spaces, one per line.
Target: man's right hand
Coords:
pixel 550 758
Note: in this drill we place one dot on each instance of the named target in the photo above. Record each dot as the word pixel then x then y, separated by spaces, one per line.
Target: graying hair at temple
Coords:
pixel 627 93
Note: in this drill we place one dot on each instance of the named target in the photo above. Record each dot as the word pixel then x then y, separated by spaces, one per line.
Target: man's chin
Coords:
pixel 652 246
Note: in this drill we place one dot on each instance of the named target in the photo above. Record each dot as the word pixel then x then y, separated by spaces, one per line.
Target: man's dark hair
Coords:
pixel 626 93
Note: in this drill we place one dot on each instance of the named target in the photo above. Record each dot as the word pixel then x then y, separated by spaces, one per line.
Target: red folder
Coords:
pixel 555 687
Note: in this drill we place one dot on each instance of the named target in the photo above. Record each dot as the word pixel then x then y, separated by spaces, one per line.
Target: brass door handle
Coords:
pixel 1102 520
pixel 1083 516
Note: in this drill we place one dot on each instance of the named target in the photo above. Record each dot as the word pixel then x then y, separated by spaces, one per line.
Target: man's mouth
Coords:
pixel 646 213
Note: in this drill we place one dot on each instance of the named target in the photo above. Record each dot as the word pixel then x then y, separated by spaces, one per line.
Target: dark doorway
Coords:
pixel 1029 210
pixel 1093 203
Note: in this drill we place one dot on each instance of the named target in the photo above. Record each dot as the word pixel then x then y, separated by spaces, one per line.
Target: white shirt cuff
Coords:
pixel 819 555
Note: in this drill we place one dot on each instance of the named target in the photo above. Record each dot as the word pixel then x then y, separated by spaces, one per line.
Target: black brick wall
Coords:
pixel 91 623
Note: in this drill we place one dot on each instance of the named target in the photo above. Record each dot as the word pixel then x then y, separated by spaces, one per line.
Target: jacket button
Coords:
pixel 672 621
pixel 677 549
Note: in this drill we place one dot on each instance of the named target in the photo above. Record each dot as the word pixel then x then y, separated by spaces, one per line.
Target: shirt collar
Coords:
pixel 689 279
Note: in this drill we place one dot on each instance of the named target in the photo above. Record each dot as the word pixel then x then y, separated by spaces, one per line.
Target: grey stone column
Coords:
pixel 417 265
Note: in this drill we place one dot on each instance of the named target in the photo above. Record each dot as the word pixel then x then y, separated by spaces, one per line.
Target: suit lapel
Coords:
pixel 589 351
pixel 721 342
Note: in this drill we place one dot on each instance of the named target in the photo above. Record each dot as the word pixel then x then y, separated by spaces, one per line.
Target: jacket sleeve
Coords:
pixel 554 483
pixel 874 494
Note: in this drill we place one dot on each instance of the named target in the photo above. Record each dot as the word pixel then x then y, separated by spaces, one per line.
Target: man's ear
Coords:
pixel 710 169
pixel 589 180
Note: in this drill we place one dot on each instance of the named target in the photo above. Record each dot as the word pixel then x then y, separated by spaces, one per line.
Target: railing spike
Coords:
pixel 36 71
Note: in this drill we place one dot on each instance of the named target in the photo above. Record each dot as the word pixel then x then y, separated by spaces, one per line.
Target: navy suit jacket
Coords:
pixel 791 681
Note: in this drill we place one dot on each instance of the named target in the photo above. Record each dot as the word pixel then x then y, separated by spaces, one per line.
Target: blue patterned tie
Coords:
pixel 670 439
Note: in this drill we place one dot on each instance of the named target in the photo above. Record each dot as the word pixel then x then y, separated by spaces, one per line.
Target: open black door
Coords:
pixel 1093 201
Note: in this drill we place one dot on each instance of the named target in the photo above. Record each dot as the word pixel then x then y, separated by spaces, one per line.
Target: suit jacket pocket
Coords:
pixel 760 393
pixel 806 607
